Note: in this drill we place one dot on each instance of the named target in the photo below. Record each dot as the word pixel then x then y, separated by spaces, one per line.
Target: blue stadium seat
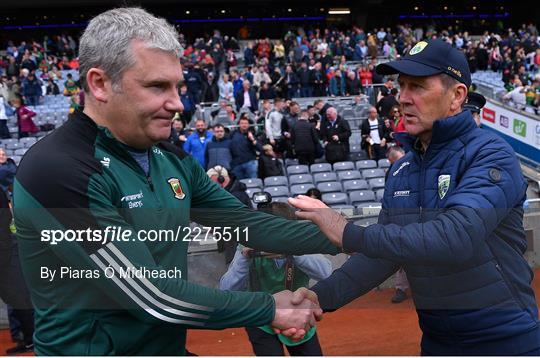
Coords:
pixel 349 175
pixel 366 164
pixel 322 177
pixel 277 191
pixel 376 183
pixel 361 196
pixel 347 210
pixel 372 173
pixel 276 181
pixel 300 179
pixel 321 168
pixel 330 187
pixel 340 166
pixel 352 185
pixel 384 163
pixel 335 198
pixel 291 161
pixel 300 189
pixel 379 194
pixel 297 169
pixel 253 182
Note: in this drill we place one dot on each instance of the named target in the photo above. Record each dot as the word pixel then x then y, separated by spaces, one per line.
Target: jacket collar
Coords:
pixel 444 130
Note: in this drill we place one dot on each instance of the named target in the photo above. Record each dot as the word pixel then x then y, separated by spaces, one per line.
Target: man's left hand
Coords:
pixel 329 221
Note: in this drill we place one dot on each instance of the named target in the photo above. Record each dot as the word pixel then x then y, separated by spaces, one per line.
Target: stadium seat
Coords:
pixel 291 161
pixel 320 168
pixel 329 187
pixel 340 166
pixel 366 164
pixel 300 179
pixel 372 173
pixel 277 191
pixel 335 198
pixel 276 181
pixel 253 182
pixel 347 210
pixel 14 145
pixel 352 185
pixel 16 159
pixel 369 204
pixel 301 189
pixel 379 194
pixel 384 163
pixel 20 151
pixel 376 183
pixel 369 209
pixel 280 199
pixel 297 169
pixel 349 175
pixel 361 196
pixel 322 177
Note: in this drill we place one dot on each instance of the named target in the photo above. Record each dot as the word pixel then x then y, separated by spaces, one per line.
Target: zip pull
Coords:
pixel 149 179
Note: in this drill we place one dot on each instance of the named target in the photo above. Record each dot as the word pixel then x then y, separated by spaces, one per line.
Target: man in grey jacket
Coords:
pixel 272 124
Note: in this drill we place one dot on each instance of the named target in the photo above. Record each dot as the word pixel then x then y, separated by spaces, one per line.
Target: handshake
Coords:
pixel 296 312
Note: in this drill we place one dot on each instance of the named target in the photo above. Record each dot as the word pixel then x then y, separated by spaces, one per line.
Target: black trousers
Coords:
pixel 265 344
pixel 306 158
pixel 14 292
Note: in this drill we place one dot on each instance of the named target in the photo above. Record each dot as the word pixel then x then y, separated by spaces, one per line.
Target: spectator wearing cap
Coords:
pixel 474 103
pixel 452 217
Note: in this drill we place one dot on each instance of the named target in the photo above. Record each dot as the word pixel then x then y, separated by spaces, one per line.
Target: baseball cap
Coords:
pixel 474 102
pixel 428 58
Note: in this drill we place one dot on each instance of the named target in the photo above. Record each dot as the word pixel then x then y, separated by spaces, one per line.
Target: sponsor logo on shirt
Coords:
pixel 133 200
pixel 106 162
pixel 403 165
pixel 399 193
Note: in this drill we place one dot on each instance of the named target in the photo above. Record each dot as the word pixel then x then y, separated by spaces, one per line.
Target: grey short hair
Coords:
pixel 106 41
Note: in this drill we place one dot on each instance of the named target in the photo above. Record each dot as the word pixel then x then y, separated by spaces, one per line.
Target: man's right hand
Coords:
pixel 296 312
pixel 273 142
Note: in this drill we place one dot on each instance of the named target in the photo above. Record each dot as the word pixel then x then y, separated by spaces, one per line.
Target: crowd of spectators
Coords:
pixel 255 84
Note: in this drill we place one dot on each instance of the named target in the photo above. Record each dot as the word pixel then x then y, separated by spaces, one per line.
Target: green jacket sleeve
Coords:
pixel 152 300
pixel 215 207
